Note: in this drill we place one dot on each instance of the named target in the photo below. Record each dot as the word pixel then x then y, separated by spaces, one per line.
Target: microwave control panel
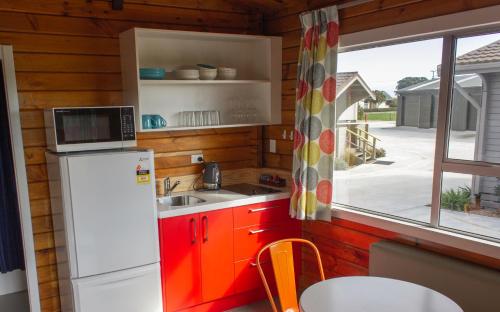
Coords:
pixel 128 128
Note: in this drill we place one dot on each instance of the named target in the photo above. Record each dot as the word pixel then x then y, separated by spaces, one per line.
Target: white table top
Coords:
pixel 374 294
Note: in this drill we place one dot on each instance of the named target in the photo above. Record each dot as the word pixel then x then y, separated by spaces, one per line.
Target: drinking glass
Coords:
pixel 214 118
pixel 198 118
pixel 206 118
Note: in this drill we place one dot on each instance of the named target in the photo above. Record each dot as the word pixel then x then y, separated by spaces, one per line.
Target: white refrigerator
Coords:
pixel 105 230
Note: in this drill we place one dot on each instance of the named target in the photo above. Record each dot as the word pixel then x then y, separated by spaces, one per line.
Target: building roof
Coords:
pixel 464 81
pixel 345 80
pixel 486 54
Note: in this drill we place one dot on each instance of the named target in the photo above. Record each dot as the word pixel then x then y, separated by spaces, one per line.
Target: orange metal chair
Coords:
pixel 282 260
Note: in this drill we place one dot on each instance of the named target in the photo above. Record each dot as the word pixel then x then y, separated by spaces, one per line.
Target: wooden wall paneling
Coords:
pixel 138 12
pixel 32 81
pixel 66 63
pixel 67 54
pixel 32 42
pixel 377 13
pixel 40 207
pixel 64 25
pixel 47 99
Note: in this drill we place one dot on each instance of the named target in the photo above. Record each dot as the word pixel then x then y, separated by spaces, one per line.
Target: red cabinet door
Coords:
pixel 180 261
pixel 217 254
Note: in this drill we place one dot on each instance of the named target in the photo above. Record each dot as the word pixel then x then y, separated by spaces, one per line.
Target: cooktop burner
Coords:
pixel 249 189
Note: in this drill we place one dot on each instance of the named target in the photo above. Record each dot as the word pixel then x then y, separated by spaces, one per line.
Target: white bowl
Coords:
pixel 226 73
pixel 208 75
pixel 187 74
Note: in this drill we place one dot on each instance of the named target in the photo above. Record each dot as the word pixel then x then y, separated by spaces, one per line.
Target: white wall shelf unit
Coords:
pixel 257 86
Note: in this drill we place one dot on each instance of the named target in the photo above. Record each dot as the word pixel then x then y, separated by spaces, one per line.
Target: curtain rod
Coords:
pixel 351 4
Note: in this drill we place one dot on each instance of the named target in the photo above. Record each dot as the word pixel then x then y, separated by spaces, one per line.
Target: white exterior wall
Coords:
pixel 491 140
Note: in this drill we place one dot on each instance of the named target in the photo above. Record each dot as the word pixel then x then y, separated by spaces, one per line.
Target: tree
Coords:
pixel 409 81
pixel 380 96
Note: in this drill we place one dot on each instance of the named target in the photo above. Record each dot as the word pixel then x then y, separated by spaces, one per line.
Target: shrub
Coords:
pixel 456 199
pixel 380 152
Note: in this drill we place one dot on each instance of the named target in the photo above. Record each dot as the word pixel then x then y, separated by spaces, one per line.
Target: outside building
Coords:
pixel 476 107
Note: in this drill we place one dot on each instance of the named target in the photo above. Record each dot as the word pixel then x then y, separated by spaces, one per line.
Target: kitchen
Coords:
pixel 68 54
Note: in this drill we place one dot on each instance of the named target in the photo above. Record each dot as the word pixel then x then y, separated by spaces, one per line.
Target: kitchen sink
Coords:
pixel 181 200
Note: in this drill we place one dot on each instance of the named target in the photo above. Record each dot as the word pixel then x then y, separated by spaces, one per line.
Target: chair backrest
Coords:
pixel 284 273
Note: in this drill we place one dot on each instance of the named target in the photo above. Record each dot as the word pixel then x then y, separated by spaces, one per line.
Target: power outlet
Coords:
pixel 272 146
pixel 197 159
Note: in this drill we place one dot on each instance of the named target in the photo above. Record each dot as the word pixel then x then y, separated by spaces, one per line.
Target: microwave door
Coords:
pixel 88 126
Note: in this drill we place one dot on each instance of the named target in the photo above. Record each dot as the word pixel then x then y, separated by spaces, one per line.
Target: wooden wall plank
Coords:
pixel 53 63
pixel 49 99
pixel 131 12
pixel 28 42
pixel 68 81
pixel 66 25
pixel 380 13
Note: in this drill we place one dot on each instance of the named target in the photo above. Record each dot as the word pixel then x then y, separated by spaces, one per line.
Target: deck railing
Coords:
pixel 364 142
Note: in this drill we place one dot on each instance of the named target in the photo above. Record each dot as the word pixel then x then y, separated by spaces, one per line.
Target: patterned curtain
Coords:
pixel 313 150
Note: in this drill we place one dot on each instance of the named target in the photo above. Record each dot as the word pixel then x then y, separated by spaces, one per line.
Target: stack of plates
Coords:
pixel 155 73
pixel 226 73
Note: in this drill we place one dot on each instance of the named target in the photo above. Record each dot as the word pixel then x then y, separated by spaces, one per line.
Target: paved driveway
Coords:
pixel 403 188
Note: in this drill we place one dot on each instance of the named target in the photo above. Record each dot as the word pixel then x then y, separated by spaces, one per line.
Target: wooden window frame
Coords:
pixel 484 21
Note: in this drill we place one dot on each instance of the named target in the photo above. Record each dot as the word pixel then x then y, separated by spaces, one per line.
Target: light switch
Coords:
pixel 272 146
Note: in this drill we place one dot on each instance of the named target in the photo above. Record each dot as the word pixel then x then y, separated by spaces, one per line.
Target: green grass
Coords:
pixel 381 116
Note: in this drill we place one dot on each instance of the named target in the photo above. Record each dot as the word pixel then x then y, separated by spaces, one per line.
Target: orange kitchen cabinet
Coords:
pixel 208 259
pixel 196 258
pixel 180 253
pixel 217 254
pixel 261 213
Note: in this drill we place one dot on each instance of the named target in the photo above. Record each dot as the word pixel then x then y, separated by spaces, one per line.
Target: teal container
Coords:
pixel 155 73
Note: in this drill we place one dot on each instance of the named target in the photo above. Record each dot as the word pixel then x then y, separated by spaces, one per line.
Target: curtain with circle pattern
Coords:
pixel 314 133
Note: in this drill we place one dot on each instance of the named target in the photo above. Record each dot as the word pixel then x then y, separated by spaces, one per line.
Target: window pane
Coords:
pixel 471 204
pixel 474 132
pixel 386 128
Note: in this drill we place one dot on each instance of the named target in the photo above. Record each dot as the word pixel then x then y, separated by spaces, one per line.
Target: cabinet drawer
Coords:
pixel 249 240
pixel 247 275
pixel 268 212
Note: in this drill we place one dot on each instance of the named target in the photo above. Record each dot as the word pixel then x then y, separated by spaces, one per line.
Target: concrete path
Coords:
pixel 404 187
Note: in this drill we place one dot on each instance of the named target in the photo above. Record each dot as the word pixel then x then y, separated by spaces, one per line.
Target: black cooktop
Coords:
pixel 249 189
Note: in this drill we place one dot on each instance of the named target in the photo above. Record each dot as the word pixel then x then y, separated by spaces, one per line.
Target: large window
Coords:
pixel 418 136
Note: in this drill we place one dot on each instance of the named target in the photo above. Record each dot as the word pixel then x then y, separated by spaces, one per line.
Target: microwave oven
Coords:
pixel 89 128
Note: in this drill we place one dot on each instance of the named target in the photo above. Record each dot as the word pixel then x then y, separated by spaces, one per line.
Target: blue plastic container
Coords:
pixel 155 73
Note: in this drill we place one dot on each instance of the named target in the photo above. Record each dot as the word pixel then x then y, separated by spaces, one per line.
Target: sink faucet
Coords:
pixel 168 188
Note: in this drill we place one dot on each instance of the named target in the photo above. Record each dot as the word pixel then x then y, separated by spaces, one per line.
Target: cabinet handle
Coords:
pixel 204 221
pixel 193 226
pixel 253 232
pixel 259 209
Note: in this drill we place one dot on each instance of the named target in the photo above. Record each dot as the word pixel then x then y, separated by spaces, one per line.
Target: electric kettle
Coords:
pixel 211 176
